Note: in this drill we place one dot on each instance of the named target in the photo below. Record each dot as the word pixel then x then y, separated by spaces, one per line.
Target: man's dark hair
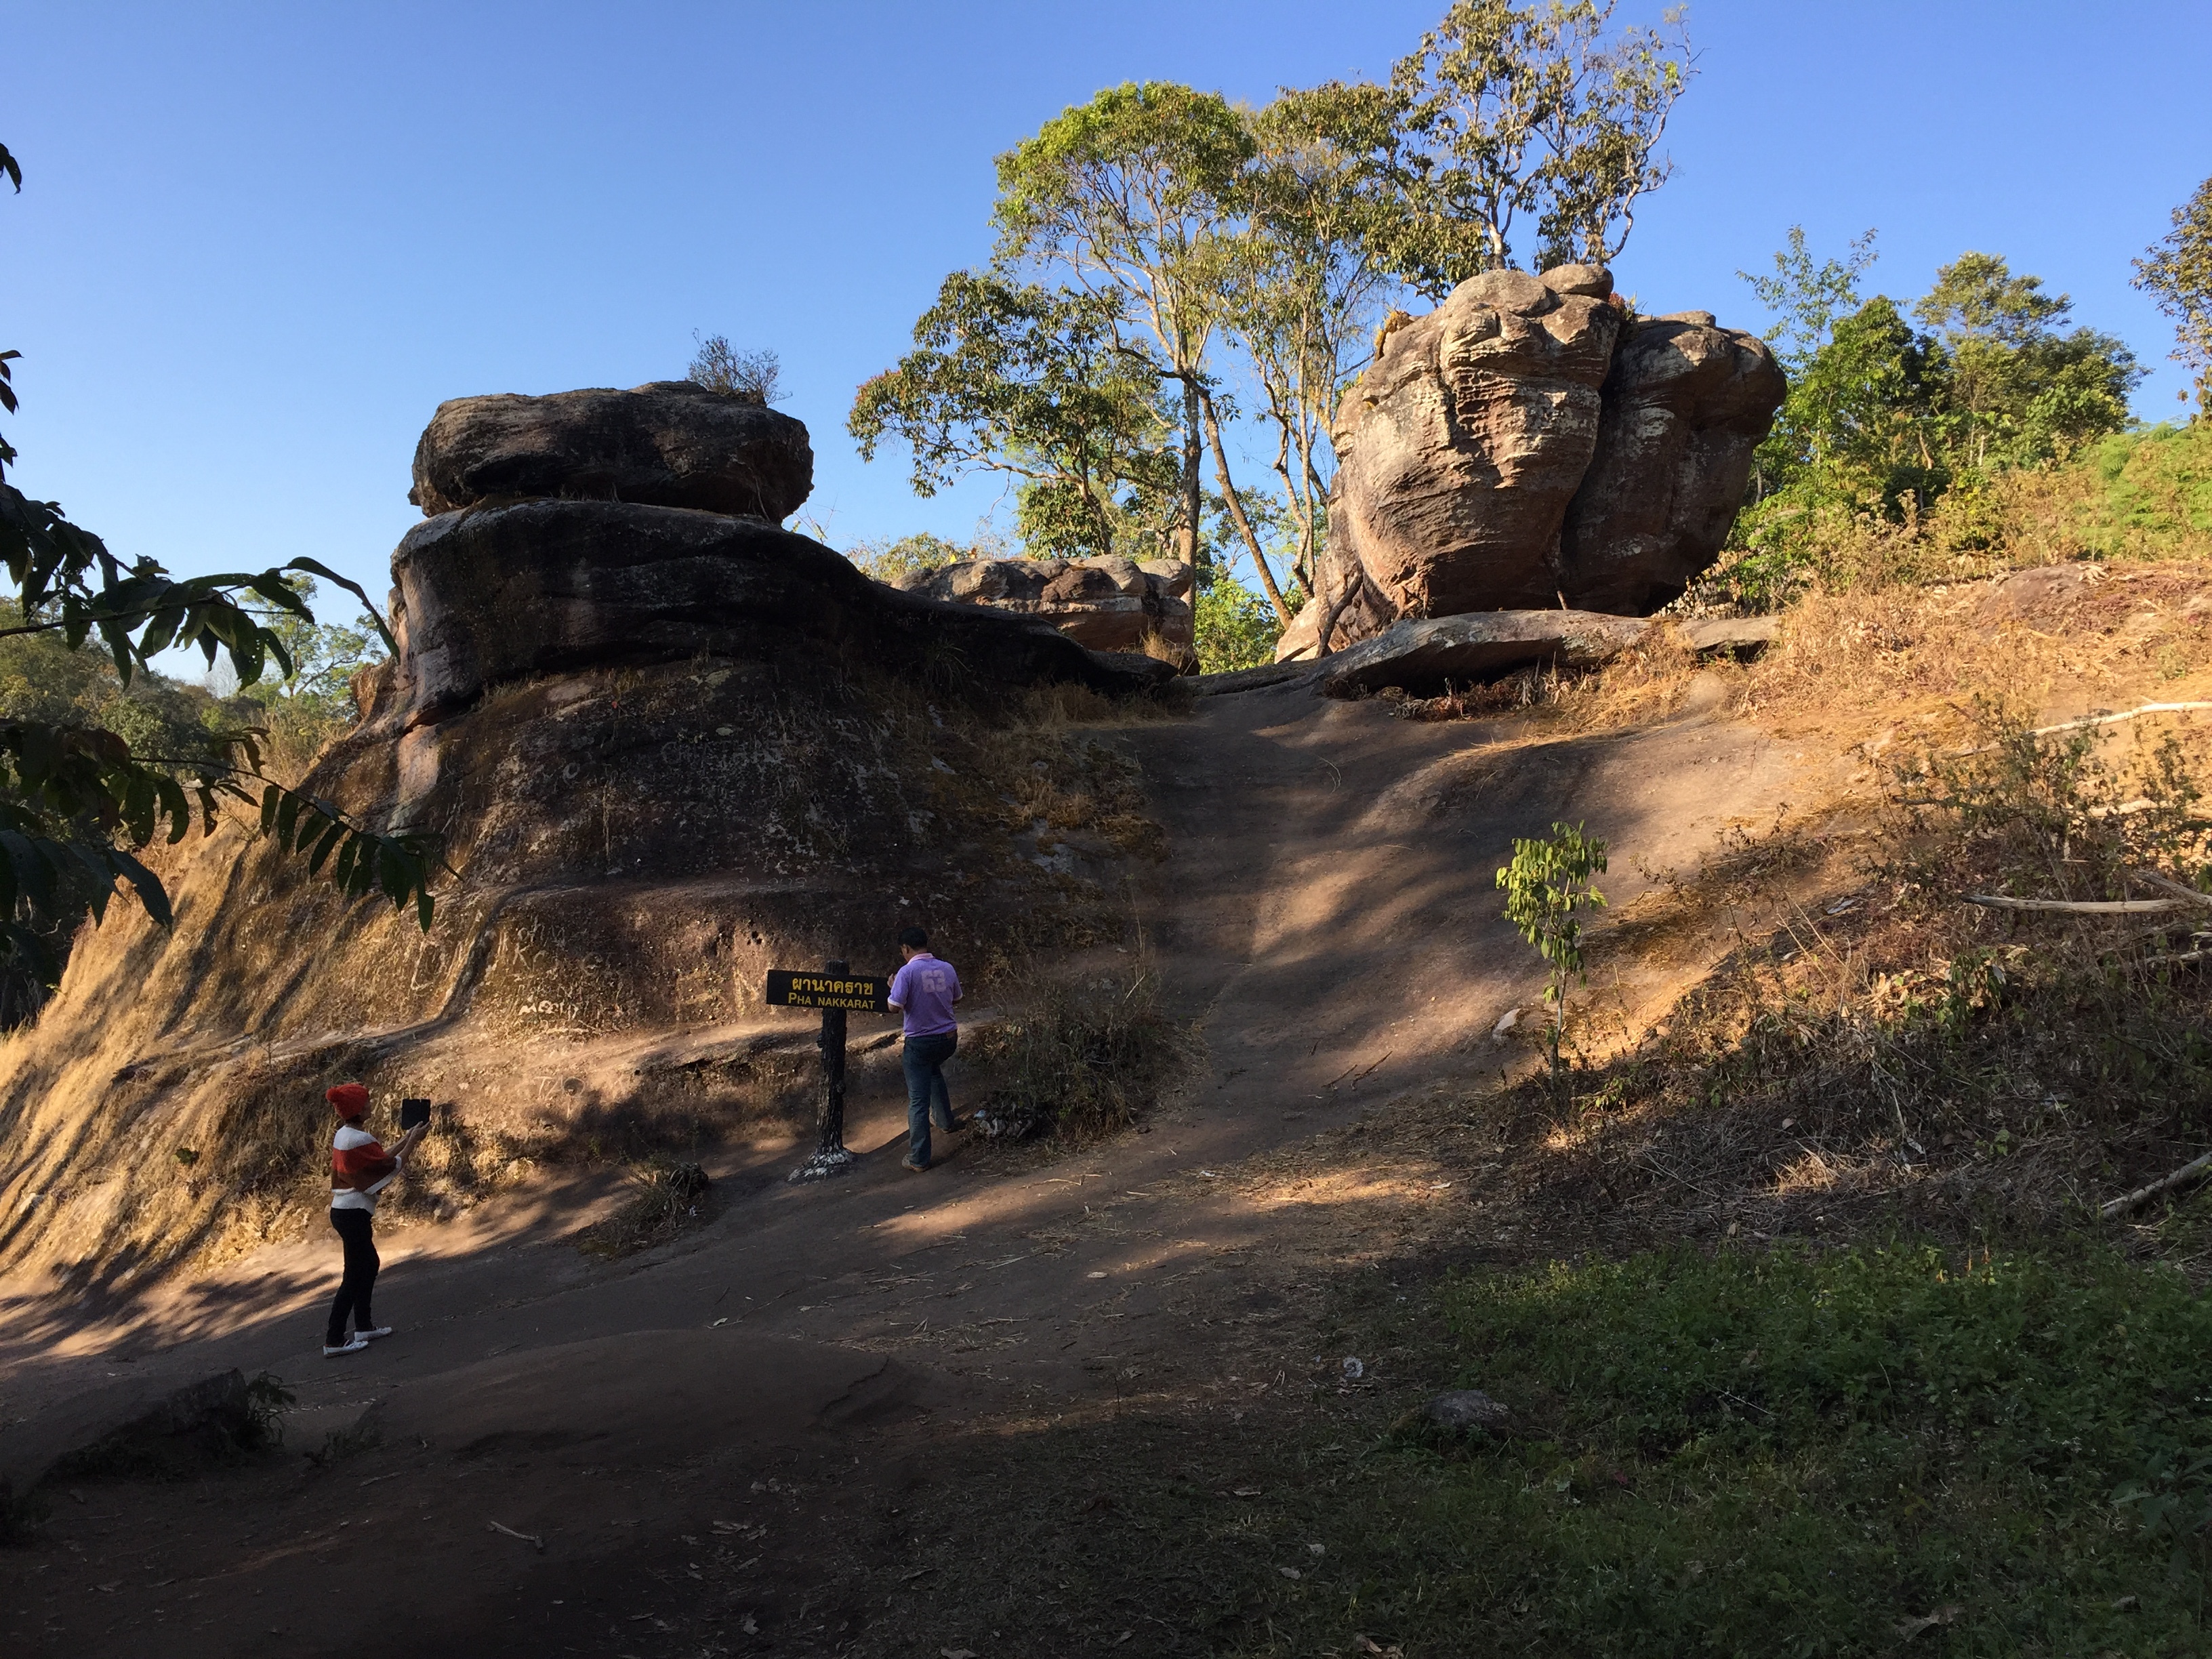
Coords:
pixel 914 938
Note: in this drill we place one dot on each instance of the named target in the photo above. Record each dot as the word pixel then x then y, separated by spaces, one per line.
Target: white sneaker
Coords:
pixel 371 1335
pixel 353 1345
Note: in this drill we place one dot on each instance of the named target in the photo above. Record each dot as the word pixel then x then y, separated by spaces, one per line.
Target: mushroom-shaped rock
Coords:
pixel 1685 405
pixel 669 443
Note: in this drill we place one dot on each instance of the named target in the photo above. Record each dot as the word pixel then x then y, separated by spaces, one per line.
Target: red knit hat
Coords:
pixel 347 1099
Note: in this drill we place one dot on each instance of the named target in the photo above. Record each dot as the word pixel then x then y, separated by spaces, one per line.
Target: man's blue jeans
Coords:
pixel 926 1093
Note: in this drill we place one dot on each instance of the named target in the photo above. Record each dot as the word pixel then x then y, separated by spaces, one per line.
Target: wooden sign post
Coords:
pixel 836 991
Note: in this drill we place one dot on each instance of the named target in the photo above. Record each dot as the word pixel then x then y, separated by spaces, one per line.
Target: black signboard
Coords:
pixel 796 987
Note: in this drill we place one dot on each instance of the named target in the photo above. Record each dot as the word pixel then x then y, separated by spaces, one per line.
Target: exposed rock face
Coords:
pixel 1466 1408
pixel 1424 655
pixel 668 443
pixel 1459 450
pixel 557 587
pixel 1108 603
pixel 666 749
pixel 215 1414
pixel 1526 446
pixel 1685 405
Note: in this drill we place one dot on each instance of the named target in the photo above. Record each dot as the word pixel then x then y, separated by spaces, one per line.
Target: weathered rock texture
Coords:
pixel 667 749
pixel 1426 655
pixel 668 443
pixel 1685 405
pixel 553 586
pixel 1459 450
pixel 1109 603
pixel 1528 444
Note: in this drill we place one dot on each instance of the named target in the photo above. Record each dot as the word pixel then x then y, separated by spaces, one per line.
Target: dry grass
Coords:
pixel 1079 1057
pixel 668 1198
pixel 1852 664
pixel 1879 663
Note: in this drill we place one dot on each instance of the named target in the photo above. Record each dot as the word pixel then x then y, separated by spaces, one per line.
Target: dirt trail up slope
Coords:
pixel 1325 913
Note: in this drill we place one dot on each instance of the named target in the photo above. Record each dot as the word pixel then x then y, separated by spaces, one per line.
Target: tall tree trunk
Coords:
pixel 1190 492
pixel 1237 513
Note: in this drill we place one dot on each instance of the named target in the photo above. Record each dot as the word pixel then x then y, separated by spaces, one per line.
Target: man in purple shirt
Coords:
pixel 924 991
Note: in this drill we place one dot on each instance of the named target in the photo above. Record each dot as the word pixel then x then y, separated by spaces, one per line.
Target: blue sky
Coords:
pixel 257 245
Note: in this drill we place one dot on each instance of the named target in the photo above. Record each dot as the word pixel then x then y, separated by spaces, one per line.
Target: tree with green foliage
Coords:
pixel 1549 881
pixel 1883 419
pixel 1509 115
pixel 1233 627
pixel 77 798
pixel 2177 270
pixel 311 701
pixel 1806 298
pixel 887 560
pixel 2016 390
pixel 1280 233
pixel 1301 291
pixel 1037 384
pixel 1131 196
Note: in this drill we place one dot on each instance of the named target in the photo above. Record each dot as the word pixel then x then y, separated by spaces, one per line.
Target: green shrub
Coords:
pixel 2154 495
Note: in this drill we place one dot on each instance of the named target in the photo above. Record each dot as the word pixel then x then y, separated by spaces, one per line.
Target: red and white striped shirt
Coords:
pixel 360 1169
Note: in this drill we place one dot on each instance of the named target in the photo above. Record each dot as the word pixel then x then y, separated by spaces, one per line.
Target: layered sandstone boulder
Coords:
pixel 668 443
pixel 1530 445
pixel 1108 603
pixel 1685 405
pixel 1458 452
pixel 537 587
pixel 665 749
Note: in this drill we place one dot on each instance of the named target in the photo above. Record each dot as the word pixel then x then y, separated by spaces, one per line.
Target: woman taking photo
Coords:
pixel 360 1170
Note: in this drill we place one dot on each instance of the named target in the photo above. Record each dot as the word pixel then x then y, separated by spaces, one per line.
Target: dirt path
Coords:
pixel 1328 906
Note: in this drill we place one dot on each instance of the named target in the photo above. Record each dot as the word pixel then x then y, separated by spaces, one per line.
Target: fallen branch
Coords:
pixel 2187 1173
pixel 2101 720
pixel 2172 887
pixel 530 1538
pixel 2077 907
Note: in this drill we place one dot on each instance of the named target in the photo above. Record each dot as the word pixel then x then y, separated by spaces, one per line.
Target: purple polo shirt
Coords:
pixel 925 989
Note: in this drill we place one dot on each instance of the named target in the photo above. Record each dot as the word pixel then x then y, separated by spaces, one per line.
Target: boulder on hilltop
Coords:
pixel 1108 603
pixel 1459 449
pixel 668 443
pixel 665 750
pixel 1529 443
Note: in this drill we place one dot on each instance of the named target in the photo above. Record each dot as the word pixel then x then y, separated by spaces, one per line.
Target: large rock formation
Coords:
pixel 1107 604
pixel 666 748
pixel 669 443
pixel 536 588
pixel 1458 450
pixel 1528 444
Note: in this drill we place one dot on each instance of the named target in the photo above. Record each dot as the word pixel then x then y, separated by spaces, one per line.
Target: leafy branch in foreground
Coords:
pixel 75 802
